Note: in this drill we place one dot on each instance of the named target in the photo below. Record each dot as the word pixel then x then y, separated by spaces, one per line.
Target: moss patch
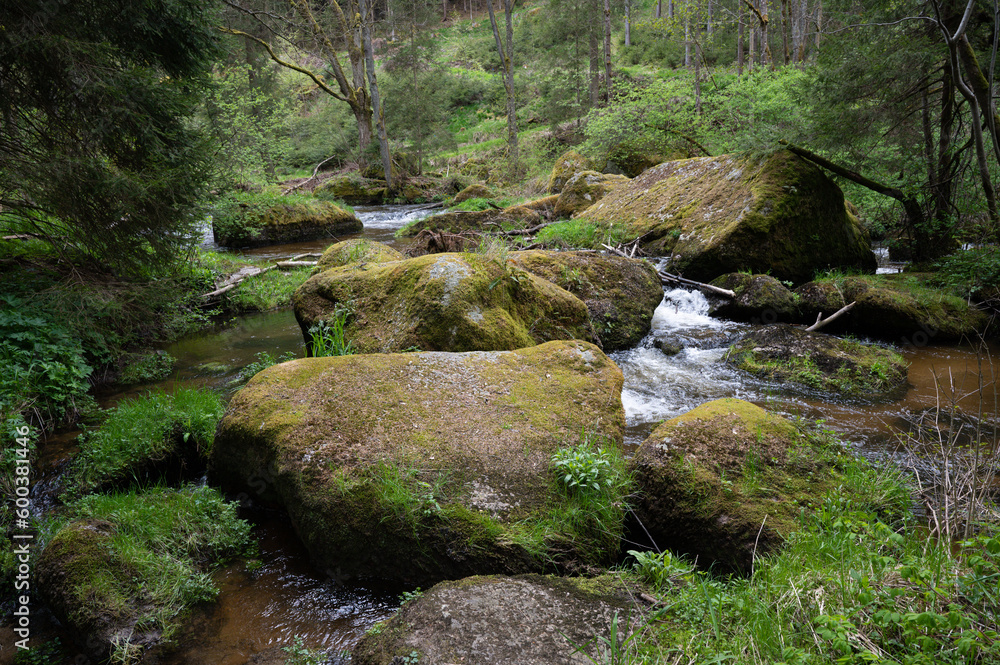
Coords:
pixel 715 215
pixel 252 220
pixel 424 465
pixel 357 250
pixel 584 189
pixel 850 368
pixel 446 302
pixel 759 298
pixel 565 168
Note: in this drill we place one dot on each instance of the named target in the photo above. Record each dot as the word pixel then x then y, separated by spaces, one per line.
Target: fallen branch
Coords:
pixel 310 178
pixel 235 280
pixel 299 257
pixel 294 264
pixel 820 321
pixel 667 278
pixel 526 232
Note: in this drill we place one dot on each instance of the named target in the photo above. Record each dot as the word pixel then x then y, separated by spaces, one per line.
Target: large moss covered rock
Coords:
pixel 584 189
pixel 621 294
pixel 725 482
pixel 357 250
pixel 277 220
pixel 565 168
pixel 786 354
pixel 474 191
pixel 426 466
pixel 524 620
pixel 442 302
pixel 352 189
pixel 713 215
pixel 523 215
pixel 759 299
pixel 902 310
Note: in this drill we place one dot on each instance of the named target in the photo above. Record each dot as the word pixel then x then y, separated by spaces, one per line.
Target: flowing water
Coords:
pixel 259 611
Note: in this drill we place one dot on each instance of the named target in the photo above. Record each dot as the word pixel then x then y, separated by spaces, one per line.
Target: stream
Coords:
pixel 262 610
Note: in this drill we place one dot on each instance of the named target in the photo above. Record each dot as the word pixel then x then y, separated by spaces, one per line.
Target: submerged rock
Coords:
pixel 724 483
pixel 786 354
pixel 715 215
pixel 584 189
pixel 759 299
pixel 621 294
pixel 358 250
pixel 524 620
pixel 282 223
pixel 426 466
pixel 442 302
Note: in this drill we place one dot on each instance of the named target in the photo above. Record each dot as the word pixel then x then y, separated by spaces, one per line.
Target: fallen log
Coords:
pixel 820 321
pixel 294 264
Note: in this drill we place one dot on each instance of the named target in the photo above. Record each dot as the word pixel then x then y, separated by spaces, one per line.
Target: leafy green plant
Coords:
pixel 659 569
pixel 264 360
pixel 327 336
pixel 410 596
pixel 583 469
pixel 299 654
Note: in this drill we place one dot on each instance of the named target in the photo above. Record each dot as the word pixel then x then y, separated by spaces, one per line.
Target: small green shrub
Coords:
pixel 327 337
pixel 263 293
pixel 659 569
pixel 264 360
pixel 300 654
pixel 970 271
pixel 146 367
pixel 583 470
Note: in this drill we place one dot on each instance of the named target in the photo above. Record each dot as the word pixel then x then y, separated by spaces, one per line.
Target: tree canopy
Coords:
pixel 96 149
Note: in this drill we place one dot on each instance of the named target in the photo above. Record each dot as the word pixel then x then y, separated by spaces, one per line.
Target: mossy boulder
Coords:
pixel 565 168
pixel 759 299
pixel 474 191
pixel 620 294
pixel 425 466
pixel 725 482
pixel 521 216
pixel 356 250
pixel 713 215
pixel 90 587
pixel 786 354
pixel 352 189
pixel 523 620
pixel 442 302
pixel 903 310
pixel 276 221
pixel 584 189
pixel 820 298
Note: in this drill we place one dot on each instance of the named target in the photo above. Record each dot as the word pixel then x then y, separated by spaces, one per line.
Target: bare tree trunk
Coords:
pixel 785 21
pixel 383 140
pixel 628 23
pixel 708 20
pixel 670 8
pixel 739 39
pixel 595 66
pixel 819 21
pixel 687 41
pixel 607 50
pixel 658 12
pixel 697 81
pixel 507 60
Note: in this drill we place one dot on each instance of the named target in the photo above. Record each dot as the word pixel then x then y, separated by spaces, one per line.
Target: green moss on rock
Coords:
pixel 726 482
pixel 424 466
pixel 713 215
pixel 565 168
pixel 620 294
pixel 254 220
pixel 584 189
pixel 352 189
pixel 443 302
pixel 759 298
pixel 786 354
pixel 523 620
pixel 474 191
pixel 357 250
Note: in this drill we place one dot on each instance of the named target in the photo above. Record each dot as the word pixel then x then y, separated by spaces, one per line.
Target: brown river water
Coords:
pixel 258 611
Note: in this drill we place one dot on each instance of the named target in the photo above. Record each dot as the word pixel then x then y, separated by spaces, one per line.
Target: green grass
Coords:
pixel 166 541
pixel 141 432
pixel 271 290
pixel 580 233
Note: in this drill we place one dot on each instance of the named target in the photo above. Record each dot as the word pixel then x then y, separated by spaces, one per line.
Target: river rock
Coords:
pixel 357 250
pixel 474 191
pixel 523 620
pixel 713 215
pixel 425 466
pixel 903 311
pixel 621 294
pixel 759 299
pixel 723 482
pixel 352 189
pixel 821 298
pixel 521 216
pixel 584 189
pixel 565 168
pixel 282 223
pixel 786 354
pixel 443 302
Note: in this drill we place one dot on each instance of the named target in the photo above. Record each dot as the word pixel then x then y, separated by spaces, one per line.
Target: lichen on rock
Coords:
pixel 584 189
pixel 426 466
pixel 523 620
